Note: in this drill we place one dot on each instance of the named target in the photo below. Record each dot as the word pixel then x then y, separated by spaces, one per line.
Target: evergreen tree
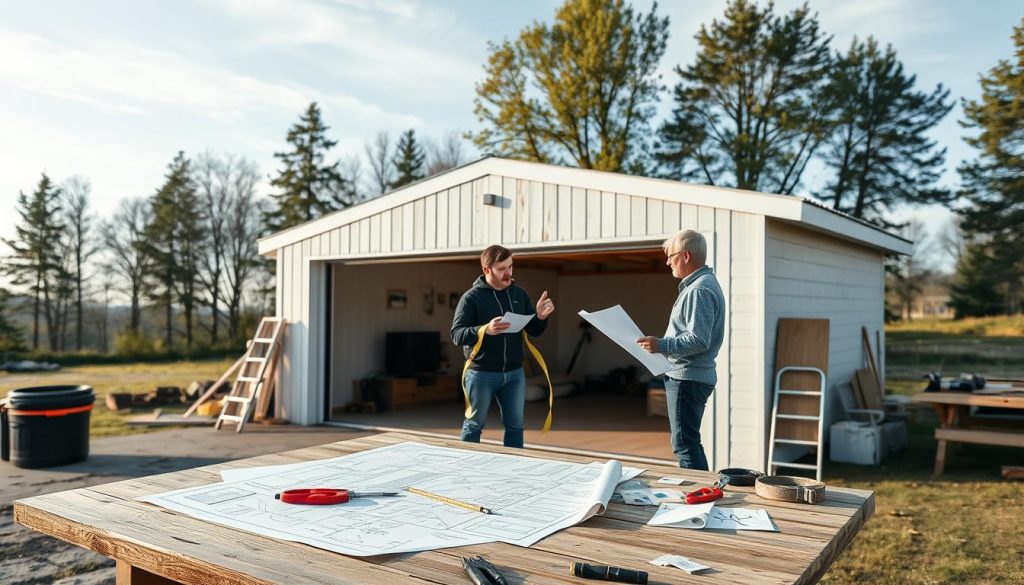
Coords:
pixel 878 151
pixel 35 260
pixel 307 187
pixel 993 183
pixel 162 243
pixel 408 160
pixel 10 334
pixel 977 290
pixel 749 111
pixel 192 237
pixel 580 91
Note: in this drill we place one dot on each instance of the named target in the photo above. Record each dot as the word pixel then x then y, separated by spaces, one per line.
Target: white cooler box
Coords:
pixel 856 442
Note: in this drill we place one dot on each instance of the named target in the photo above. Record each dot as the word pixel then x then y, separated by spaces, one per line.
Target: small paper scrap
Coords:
pixel 647 497
pixel 679 562
pixel 672 480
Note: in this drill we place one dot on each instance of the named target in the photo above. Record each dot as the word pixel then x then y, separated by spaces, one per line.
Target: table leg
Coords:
pixel 129 575
pixel 947 418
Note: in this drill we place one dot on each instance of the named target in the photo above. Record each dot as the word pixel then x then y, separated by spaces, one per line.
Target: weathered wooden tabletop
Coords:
pixel 152 544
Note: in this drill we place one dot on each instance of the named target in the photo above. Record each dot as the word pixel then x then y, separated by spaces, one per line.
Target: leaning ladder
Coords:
pixel 800 420
pixel 262 349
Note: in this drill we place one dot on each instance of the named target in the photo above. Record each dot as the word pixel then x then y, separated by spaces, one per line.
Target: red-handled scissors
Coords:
pixel 705 495
pixel 325 496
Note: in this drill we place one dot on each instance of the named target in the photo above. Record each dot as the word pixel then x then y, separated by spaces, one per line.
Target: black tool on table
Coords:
pixel 603 573
pixel 738 476
pixel 482 572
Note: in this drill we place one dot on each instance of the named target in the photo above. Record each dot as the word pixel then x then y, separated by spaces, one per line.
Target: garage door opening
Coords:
pixel 601 401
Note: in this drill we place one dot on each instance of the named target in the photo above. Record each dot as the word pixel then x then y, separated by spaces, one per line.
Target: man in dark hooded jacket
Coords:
pixel 496 370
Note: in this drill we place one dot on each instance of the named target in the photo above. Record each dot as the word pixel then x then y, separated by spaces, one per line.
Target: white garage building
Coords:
pixel 592 239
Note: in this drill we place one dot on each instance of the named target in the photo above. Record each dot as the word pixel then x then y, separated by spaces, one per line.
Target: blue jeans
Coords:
pixel 686 401
pixel 510 390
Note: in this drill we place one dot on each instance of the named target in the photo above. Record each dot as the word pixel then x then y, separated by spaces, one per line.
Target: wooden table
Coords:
pixel 956 425
pixel 153 545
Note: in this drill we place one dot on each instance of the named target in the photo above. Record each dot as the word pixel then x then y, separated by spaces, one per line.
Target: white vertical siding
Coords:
pixel 811 275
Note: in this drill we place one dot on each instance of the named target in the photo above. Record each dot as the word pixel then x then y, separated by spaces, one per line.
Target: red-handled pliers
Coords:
pixel 324 496
pixel 705 495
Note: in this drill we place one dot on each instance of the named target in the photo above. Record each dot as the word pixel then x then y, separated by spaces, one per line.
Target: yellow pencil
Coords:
pixel 450 501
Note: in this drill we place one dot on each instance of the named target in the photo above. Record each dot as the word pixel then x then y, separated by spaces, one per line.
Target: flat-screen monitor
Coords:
pixel 407 353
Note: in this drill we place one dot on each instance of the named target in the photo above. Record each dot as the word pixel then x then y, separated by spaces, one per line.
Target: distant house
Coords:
pixel 593 239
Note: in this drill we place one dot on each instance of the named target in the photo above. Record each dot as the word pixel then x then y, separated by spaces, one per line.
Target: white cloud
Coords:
pixel 404 41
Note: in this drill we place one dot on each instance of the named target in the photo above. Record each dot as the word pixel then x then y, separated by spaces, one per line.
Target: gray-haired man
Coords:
pixel 695 331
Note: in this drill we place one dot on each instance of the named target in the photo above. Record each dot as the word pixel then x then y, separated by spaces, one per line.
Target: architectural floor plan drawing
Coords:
pixel 530 499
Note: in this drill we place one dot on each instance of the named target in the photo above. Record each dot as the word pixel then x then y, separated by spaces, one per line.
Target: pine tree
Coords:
pixel 993 183
pixel 977 283
pixel 749 111
pixel 10 334
pixel 35 261
pixel 408 160
pixel 162 243
pixel 307 187
pixel 580 91
pixel 879 150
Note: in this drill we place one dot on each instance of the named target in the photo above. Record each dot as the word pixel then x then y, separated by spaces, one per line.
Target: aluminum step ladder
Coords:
pixel 801 420
pixel 262 350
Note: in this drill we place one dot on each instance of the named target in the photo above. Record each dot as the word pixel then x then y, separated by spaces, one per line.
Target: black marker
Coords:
pixel 604 573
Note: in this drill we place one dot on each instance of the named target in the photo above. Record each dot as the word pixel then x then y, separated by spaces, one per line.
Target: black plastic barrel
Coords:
pixel 48 425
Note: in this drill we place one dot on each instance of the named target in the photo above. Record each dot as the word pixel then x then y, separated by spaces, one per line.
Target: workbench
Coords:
pixel 153 545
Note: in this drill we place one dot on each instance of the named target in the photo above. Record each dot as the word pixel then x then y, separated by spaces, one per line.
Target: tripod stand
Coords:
pixel 584 337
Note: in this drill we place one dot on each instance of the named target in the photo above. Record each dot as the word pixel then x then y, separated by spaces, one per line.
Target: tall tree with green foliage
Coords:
pixel 993 183
pixel 978 287
pixel 82 242
pixel 580 91
pixel 35 252
pixel 879 151
pixel 192 235
pixel 749 111
pixel 307 186
pixel 163 242
pixel 408 160
pixel 10 334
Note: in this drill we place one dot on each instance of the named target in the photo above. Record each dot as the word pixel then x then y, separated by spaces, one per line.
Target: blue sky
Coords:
pixel 111 90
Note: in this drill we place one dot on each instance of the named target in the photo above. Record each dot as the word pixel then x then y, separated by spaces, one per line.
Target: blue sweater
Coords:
pixel 696 328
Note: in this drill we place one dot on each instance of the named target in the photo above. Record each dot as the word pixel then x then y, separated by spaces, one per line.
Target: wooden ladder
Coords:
pixel 259 355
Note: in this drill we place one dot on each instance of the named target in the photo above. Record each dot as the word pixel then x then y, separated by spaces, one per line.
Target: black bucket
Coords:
pixel 48 425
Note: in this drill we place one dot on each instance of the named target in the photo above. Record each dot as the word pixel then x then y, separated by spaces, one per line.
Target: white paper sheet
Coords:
pixel 516 321
pixel 697 516
pixel 740 519
pixel 693 516
pixel 531 498
pixel 617 325
pixel 681 562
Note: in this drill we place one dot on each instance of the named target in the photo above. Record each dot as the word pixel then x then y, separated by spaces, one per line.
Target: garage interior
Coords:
pixel 606 409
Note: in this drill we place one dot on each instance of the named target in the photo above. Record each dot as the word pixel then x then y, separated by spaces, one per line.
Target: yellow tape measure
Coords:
pixel 536 355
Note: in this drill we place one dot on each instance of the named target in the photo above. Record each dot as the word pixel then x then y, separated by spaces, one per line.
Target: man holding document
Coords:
pixel 695 332
pixel 496 369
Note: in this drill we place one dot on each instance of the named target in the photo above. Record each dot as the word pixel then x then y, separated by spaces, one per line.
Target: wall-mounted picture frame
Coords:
pixel 453 300
pixel 427 293
pixel 398 300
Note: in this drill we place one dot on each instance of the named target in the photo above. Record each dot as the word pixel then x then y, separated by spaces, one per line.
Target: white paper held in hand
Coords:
pixel 616 324
pixel 516 322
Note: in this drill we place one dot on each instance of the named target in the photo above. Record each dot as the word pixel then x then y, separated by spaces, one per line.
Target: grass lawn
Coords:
pixel 966 526
pixel 120 378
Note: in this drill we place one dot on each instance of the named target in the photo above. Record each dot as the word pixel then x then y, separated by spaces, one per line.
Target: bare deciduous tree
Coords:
pixel 445 153
pixel 124 237
pixel 382 168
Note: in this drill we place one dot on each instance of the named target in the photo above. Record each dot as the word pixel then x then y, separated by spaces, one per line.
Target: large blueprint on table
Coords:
pixel 530 498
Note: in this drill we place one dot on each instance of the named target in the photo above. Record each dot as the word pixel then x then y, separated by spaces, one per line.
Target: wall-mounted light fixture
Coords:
pixel 490 199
